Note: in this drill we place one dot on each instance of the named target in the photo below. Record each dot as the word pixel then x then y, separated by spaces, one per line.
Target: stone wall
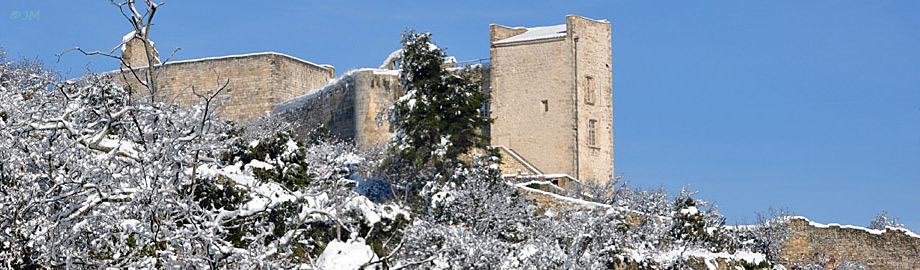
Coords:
pixel 257 81
pixel 532 103
pixel 292 77
pixel 377 90
pixel 354 106
pixel 882 250
pixel 331 107
pixel 593 58
pixel 135 54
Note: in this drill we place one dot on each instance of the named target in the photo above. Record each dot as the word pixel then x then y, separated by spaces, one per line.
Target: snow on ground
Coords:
pixel 345 256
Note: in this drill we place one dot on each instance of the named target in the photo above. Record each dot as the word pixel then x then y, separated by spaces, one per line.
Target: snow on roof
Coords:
pixel 391 58
pixel 247 55
pixel 536 33
pixel 127 37
pixel 324 66
pixel 335 84
pixel 329 86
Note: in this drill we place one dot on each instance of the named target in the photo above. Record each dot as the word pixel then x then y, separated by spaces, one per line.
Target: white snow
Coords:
pixel 441 149
pixel 324 66
pixel 692 210
pixel 290 148
pixel 367 208
pixel 128 37
pixel 386 72
pixel 395 55
pixel 345 256
pixel 536 33
pixel 125 39
pixel 349 159
pixel 681 253
pixel 129 224
pixel 259 164
pixel 119 146
pixel 329 86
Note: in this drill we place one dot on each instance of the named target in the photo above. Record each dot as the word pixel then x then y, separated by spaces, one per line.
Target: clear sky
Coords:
pixel 809 105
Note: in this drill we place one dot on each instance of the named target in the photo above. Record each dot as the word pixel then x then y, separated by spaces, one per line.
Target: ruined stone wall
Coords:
pixel 331 107
pixel 257 81
pixel 523 77
pixel 879 250
pixel 595 95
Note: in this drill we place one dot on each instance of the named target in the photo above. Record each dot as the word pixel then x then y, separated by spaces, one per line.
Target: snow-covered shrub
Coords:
pixel 93 178
pixel 882 221
pixel 767 235
pixel 851 265
pixel 695 225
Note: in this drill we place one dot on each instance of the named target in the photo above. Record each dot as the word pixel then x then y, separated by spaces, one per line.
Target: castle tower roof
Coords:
pixel 536 33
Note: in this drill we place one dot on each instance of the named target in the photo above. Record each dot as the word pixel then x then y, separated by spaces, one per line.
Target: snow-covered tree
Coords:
pixel 93 176
pixel 439 118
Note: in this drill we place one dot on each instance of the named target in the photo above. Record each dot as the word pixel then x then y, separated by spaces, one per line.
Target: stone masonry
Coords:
pixel 552 96
pixel 879 249
pixel 538 113
pixel 351 107
pixel 257 82
pixel 552 101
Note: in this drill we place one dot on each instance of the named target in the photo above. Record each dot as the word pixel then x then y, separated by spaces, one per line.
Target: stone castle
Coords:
pixel 551 87
pixel 552 102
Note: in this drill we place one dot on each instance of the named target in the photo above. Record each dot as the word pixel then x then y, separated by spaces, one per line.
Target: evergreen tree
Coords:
pixel 439 117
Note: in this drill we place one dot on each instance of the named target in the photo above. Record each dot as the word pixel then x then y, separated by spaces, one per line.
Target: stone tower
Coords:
pixel 552 97
pixel 134 52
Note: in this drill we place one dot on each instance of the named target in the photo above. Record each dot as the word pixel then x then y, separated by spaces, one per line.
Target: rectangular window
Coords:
pixel 592 132
pixel 590 95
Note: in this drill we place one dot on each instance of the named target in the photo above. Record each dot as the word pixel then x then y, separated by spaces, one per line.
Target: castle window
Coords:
pixel 590 96
pixel 592 132
pixel 545 105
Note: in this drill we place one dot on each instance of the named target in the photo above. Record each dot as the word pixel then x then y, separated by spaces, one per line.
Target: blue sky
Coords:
pixel 808 105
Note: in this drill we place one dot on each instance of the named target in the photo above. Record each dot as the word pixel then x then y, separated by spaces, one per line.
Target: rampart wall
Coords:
pixel 257 81
pixel 889 249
